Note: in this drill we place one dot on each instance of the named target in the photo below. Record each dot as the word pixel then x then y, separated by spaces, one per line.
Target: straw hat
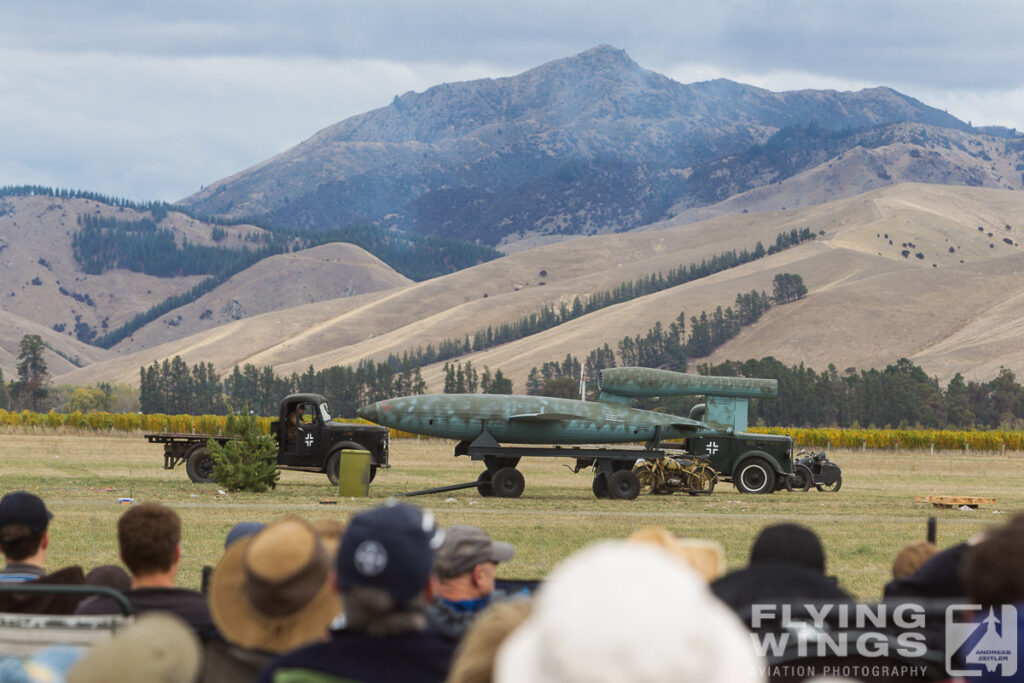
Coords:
pixel 272 591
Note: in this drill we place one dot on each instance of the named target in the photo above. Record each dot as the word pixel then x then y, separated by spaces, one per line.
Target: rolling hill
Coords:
pixel 869 302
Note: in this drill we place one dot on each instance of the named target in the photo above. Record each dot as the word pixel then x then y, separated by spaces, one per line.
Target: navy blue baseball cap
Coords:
pixel 28 509
pixel 390 547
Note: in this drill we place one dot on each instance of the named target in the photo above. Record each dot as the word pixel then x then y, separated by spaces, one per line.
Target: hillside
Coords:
pixel 868 304
pixel 63 354
pixel 43 282
pixel 596 144
pixel 47 291
pixel 321 274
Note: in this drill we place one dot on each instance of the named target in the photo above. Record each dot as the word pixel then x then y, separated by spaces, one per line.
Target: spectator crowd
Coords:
pixel 392 597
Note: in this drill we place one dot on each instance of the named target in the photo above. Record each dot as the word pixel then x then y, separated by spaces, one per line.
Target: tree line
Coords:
pixel 901 395
pixel 174 387
pixel 668 348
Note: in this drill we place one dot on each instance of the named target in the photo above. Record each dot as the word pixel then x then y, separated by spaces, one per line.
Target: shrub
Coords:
pixel 248 463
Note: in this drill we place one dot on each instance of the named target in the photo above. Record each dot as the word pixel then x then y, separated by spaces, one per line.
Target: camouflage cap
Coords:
pixel 465 547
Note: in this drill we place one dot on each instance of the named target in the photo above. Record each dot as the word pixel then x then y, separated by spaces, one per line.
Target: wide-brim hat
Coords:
pixel 272 591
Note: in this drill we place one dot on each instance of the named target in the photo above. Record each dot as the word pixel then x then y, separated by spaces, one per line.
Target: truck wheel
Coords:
pixel 508 482
pixel 483 484
pixel 199 465
pixel 802 478
pixel 600 485
pixel 333 463
pixel 754 476
pixel 623 485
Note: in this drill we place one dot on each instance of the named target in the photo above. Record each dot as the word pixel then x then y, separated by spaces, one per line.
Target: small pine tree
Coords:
pixel 248 463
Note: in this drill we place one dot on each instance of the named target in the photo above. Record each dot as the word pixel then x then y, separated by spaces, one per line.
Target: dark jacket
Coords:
pixel 46 603
pixel 451 621
pixel 415 657
pixel 188 604
pixel 776 582
pixel 938 577
pixel 227 663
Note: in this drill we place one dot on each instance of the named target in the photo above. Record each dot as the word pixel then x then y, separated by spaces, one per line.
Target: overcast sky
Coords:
pixel 150 100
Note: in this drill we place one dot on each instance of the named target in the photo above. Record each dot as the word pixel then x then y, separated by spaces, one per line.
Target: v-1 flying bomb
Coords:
pixel 483 422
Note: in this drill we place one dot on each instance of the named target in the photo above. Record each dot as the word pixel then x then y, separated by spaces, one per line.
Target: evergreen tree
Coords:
pixel 33 375
pixel 500 384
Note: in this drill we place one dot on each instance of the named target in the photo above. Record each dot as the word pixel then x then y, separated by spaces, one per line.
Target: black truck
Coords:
pixel 308 440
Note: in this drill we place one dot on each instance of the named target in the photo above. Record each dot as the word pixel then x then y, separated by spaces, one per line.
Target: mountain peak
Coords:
pixel 604 59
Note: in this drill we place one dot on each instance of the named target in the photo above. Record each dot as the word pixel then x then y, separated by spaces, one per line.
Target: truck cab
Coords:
pixel 310 439
pixel 755 463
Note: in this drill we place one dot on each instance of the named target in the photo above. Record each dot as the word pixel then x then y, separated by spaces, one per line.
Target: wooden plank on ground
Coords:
pixel 955 501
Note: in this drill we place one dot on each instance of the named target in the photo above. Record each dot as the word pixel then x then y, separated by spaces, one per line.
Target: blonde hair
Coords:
pixel 911 558
pixel 474 657
pixel 705 557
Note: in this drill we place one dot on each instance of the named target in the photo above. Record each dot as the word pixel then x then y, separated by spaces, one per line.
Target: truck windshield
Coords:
pixel 325 414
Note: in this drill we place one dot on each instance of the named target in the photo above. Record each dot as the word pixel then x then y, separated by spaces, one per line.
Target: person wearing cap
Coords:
pixel 465 566
pixel 25 540
pixel 384 577
pixel 271 592
pixel 24 537
pixel 149 538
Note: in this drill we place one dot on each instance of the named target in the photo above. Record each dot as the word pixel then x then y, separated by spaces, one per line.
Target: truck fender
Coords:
pixel 759 454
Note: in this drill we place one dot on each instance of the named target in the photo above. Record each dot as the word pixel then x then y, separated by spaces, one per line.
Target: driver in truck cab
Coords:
pixel 295 418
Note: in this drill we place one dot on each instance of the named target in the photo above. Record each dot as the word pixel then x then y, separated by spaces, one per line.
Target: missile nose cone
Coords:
pixel 370 412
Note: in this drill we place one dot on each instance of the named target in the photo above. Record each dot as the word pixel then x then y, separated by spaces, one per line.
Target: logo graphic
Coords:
pixel 712 447
pixel 988 644
pixel 309 440
pixel 370 558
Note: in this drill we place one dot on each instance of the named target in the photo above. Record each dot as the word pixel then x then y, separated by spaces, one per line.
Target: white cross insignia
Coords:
pixel 712 447
pixel 309 440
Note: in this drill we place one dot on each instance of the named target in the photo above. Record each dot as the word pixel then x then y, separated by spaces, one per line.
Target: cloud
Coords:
pixel 151 99
pixel 156 128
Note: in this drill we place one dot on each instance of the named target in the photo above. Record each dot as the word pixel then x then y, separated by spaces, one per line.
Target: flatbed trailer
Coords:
pixel 615 469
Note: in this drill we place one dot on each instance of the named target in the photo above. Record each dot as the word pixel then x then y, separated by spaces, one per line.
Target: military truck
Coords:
pixel 308 438
pixel 754 463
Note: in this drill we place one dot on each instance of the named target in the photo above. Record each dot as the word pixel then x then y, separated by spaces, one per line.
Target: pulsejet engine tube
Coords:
pixel 649 382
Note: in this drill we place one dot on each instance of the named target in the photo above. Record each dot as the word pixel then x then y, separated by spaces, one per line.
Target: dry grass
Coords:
pixel 955 317
pixel 863 525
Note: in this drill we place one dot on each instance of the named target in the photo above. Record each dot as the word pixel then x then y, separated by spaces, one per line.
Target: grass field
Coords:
pixel 81 478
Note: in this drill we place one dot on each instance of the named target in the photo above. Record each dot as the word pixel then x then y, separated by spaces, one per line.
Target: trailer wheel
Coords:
pixel 199 465
pixel 600 485
pixel 754 476
pixel 508 482
pixel 802 478
pixel 623 485
pixel 833 487
pixel 483 484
